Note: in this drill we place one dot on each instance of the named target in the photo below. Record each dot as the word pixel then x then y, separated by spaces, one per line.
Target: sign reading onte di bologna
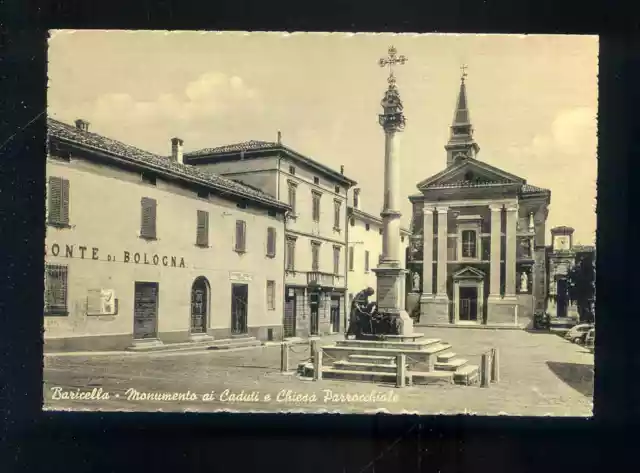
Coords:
pixel 93 253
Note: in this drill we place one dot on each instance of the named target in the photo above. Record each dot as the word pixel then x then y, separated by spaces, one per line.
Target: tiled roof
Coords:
pixel 234 148
pixel 72 134
pixel 256 145
pixel 370 217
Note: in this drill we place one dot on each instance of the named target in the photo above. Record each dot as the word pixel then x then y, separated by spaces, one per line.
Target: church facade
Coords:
pixel 478 246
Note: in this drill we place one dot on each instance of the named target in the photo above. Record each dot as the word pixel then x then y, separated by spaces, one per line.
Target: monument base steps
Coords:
pixel 428 361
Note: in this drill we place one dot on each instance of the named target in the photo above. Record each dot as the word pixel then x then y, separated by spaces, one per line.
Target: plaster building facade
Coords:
pixel 478 238
pixel 315 279
pixel 365 246
pixel 143 249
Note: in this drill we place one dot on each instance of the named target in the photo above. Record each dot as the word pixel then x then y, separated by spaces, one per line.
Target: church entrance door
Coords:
pixel 468 304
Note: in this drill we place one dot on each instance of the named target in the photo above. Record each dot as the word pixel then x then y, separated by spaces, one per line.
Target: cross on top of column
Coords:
pixel 391 60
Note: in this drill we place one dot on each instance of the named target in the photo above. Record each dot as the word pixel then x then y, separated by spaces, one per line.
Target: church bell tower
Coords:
pixel 461 144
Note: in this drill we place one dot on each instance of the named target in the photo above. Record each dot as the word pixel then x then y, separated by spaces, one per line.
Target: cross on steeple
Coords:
pixel 463 68
pixel 391 60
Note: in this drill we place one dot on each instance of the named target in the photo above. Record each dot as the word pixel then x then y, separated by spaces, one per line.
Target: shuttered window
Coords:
pixel 336 260
pixel 351 257
pixel 336 214
pixel 148 221
pixel 291 255
pixel 241 236
pixel 315 210
pixel 271 295
pixel 58 201
pixel 366 261
pixel 315 254
pixel 202 229
pixel 271 242
pixel 292 197
pixel 55 296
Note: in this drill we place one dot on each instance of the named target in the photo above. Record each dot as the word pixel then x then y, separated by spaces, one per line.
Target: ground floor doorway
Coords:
pixel 199 305
pixel 468 302
pixel 562 298
pixel 290 313
pixel 145 311
pixel 335 314
pixel 239 308
pixel 314 308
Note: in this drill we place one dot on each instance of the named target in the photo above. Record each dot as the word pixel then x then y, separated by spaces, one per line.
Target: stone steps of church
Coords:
pixel 428 377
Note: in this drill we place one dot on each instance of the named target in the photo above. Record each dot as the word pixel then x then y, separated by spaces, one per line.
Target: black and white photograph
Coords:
pixel 320 222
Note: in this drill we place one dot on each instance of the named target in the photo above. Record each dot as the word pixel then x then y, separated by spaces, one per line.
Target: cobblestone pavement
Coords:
pixel 540 374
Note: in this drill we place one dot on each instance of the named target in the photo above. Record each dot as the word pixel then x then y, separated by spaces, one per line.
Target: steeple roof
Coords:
pixel 461 115
pixel 461 144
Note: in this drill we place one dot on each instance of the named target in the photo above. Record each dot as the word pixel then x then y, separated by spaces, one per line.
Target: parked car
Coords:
pixel 590 339
pixel 578 333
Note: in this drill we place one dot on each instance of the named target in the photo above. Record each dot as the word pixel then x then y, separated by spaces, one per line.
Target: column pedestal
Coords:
pixel 390 295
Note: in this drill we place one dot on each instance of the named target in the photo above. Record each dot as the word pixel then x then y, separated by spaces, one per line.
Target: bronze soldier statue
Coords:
pixel 360 315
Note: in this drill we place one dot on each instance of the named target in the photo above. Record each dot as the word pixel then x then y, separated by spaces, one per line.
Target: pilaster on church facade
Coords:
pixel 478 238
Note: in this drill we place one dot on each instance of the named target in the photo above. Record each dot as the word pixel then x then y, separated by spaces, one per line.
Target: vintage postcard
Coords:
pixel 320 222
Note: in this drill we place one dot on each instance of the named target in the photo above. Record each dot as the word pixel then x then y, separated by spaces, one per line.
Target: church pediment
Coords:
pixel 470 173
pixel 469 272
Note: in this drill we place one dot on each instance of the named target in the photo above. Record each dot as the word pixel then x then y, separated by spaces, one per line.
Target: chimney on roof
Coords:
pixel 177 154
pixel 356 198
pixel 342 169
pixel 82 125
pixel 279 137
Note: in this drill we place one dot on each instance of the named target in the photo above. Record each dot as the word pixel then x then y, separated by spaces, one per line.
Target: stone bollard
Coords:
pixel 284 357
pixel 484 370
pixel 495 366
pixel 317 363
pixel 401 370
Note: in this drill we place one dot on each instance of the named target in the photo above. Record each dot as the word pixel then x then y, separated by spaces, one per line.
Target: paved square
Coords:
pixel 540 374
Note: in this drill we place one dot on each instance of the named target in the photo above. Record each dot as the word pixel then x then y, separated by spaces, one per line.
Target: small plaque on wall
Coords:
pixel 101 302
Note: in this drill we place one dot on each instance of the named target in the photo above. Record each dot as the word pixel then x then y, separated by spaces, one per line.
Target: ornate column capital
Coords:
pixel 427 209
pixel 442 208
pixel 495 207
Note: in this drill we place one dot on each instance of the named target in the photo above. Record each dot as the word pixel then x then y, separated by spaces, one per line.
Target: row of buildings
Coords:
pixel 252 239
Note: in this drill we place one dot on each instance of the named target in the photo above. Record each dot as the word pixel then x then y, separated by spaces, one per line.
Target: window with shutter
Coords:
pixel 58 211
pixel 336 214
pixel 271 295
pixel 271 242
pixel 366 261
pixel 291 254
pixel 202 230
pixel 315 210
pixel 351 257
pixel 55 297
pixel 241 230
pixel 292 197
pixel 315 252
pixel 336 260
pixel 148 223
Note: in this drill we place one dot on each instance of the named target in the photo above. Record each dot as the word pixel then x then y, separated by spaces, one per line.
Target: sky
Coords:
pixel 532 101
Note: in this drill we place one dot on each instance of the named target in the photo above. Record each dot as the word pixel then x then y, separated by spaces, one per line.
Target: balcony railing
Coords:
pixel 323 279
